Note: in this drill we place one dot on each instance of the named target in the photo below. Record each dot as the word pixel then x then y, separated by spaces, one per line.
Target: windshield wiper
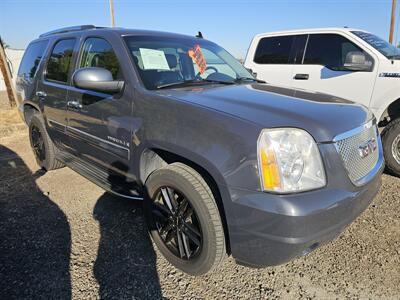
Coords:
pixel 219 81
pixel 176 83
pixel 249 79
pixel 191 81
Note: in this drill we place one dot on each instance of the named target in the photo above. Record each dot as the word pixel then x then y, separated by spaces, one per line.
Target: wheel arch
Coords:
pixel 154 158
pixel 391 113
pixel 29 111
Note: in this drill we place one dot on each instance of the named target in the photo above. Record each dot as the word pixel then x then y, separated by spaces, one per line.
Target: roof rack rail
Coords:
pixel 68 29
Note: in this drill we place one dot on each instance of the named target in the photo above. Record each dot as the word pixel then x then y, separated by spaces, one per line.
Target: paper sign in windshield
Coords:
pixel 153 59
pixel 198 57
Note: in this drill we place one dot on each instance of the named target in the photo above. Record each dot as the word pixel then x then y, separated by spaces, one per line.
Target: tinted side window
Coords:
pixel 329 50
pixel 59 64
pixel 274 50
pixel 298 48
pixel 98 52
pixel 32 57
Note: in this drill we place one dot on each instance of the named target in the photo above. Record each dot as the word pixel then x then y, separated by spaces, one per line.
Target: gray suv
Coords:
pixel 225 164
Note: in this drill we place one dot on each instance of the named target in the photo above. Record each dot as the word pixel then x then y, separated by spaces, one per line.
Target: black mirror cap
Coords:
pixel 357 61
pixel 97 79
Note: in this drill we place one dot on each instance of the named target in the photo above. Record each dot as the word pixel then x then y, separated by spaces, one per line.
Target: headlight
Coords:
pixel 289 161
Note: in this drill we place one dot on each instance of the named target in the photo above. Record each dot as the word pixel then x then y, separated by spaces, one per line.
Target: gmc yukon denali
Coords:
pixel 224 164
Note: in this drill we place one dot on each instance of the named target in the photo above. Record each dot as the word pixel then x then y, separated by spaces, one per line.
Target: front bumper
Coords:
pixel 271 229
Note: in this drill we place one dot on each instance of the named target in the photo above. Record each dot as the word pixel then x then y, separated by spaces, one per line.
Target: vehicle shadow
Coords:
pixel 35 237
pixel 125 267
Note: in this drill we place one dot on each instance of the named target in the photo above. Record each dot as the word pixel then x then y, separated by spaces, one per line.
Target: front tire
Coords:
pixel 42 146
pixel 391 146
pixel 183 219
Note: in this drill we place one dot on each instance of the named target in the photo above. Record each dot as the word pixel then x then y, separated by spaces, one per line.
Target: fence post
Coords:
pixel 12 95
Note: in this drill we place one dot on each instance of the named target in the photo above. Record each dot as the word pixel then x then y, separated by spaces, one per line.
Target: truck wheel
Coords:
pixel 184 220
pixel 391 146
pixel 42 146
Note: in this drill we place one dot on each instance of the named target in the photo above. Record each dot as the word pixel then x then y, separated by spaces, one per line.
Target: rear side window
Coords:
pixel 59 64
pixel 274 50
pixel 32 57
pixel 98 52
pixel 329 50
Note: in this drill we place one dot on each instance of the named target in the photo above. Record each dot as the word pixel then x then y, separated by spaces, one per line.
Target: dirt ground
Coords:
pixel 10 120
pixel 61 237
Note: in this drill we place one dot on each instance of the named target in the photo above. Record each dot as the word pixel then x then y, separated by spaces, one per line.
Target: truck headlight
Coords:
pixel 289 161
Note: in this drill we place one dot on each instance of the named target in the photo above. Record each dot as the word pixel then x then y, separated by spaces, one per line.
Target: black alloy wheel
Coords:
pixel 42 145
pixel 183 219
pixel 38 146
pixel 177 223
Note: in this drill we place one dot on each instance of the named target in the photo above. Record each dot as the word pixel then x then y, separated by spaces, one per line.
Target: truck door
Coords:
pixel 274 56
pixel 52 89
pixel 99 124
pixel 322 69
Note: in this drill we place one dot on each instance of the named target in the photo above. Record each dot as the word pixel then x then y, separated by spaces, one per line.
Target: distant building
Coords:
pixel 14 57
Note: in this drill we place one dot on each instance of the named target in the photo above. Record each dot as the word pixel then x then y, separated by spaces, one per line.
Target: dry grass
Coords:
pixel 9 117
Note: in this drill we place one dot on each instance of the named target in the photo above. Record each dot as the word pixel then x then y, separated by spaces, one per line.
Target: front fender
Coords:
pixel 222 144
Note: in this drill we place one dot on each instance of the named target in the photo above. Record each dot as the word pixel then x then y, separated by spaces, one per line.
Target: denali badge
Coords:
pixel 367 148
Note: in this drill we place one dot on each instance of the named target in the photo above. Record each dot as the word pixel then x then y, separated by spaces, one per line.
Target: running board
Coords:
pixel 97 176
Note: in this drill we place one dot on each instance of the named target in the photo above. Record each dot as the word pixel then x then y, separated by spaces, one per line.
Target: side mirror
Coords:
pixel 251 72
pixel 96 79
pixel 357 61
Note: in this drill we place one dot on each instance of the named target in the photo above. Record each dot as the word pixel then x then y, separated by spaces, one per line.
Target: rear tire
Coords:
pixel 42 146
pixel 391 146
pixel 186 191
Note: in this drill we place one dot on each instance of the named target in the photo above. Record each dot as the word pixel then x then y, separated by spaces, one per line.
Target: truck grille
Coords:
pixel 350 146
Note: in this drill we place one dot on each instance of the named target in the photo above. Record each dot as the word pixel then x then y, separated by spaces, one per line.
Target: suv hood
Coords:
pixel 323 116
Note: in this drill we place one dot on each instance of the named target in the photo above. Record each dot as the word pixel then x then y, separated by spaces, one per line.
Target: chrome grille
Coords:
pixel 349 149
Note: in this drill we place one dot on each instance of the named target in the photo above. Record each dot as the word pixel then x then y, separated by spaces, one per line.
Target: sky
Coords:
pixel 231 24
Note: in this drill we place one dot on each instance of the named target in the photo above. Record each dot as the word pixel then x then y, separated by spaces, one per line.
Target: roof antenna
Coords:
pixel 199 35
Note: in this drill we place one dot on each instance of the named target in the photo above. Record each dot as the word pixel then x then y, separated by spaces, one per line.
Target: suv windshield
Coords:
pixel 164 62
pixel 390 51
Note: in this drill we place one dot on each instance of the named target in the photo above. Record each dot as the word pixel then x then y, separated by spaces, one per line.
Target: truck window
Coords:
pixel 329 50
pixel 59 64
pixel 389 50
pixel 31 60
pixel 274 50
pixel 97 52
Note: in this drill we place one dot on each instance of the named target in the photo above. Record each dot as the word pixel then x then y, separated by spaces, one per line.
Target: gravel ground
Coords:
pixel 4 103
pixel 61 237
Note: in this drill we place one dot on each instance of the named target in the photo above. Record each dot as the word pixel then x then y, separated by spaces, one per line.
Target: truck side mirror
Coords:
pixel 357 61
pixel 251 72
pixel 96 79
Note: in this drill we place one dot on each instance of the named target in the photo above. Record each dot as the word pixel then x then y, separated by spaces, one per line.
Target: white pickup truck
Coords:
pixel 348 63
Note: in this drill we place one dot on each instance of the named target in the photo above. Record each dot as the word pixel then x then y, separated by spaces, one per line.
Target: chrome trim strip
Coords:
pixel 124 196
pixel 97 138
pixel 55 122
pixel 305 49
pixel 354 131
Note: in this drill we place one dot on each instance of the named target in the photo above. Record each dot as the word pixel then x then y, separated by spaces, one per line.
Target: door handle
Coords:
pixel 41 94
pixel 301 76
pixel 74 105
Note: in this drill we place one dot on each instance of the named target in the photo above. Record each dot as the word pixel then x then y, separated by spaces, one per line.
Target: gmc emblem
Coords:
pixel 367 148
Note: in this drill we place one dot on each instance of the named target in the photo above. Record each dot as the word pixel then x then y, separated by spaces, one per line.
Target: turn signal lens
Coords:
pixel 270 171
